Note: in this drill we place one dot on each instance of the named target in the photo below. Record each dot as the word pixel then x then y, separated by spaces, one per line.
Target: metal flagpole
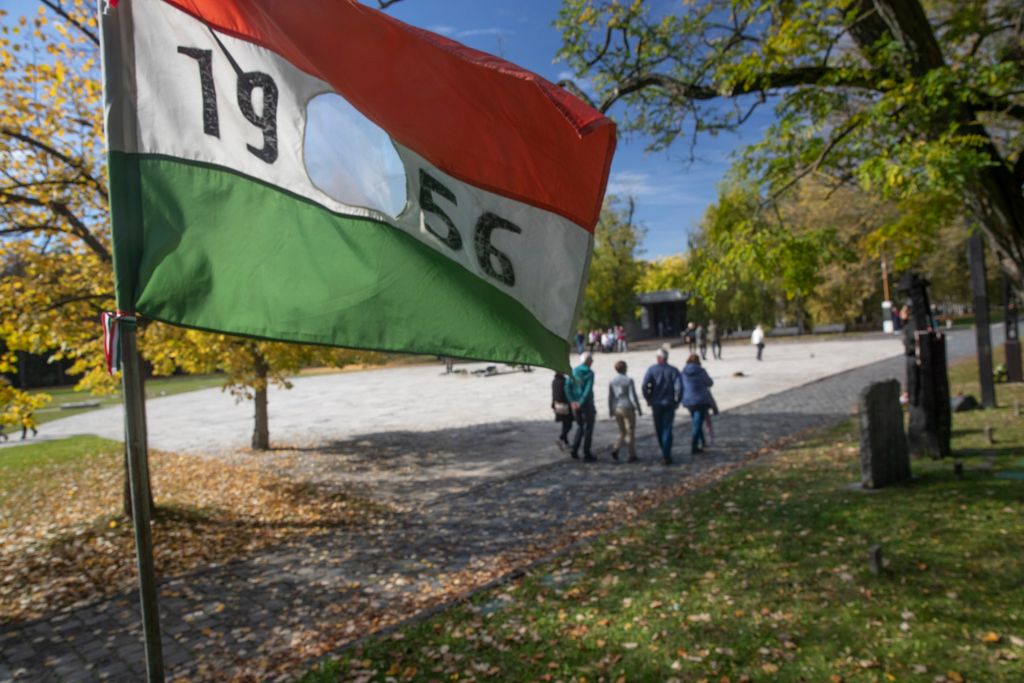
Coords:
pixel 138 475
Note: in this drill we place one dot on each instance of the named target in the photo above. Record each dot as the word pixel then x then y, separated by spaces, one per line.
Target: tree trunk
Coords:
pixel 261 427
pixel 998 205
pixel 994 198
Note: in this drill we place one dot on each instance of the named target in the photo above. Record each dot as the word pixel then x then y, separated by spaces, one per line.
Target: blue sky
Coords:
pixel 671 192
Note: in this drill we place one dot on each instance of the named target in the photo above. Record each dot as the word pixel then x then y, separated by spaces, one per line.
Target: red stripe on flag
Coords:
pixel 473 115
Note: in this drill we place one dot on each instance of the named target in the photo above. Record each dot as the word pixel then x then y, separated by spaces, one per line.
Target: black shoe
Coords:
pixel 575 455
pixel 633 458
pixel 589 458
pixel 695 451
pixel 615 455
pixel 666 461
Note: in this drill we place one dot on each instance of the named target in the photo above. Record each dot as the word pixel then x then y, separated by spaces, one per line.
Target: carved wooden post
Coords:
pixel 927 382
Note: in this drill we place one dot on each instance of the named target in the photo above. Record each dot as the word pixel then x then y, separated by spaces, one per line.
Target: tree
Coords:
pixel 662 274
pixel 55 241
pixel 614 268
pixel 901 100
pixel 738 243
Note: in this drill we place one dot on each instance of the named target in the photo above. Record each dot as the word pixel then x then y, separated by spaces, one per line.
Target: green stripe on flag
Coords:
pixel 220 251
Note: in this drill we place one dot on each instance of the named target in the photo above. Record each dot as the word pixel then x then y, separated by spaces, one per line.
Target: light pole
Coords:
pixel 887 325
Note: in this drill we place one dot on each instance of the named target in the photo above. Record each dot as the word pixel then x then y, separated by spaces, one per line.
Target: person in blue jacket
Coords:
pixel 697 399
pixel 579 389
pixel 662 389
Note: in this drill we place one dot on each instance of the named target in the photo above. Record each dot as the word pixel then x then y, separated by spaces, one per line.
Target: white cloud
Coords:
pixel 443 29
pixel 469 33
pixel 668 190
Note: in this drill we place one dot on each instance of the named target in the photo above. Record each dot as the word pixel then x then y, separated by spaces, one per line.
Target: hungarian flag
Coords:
pixel 317 171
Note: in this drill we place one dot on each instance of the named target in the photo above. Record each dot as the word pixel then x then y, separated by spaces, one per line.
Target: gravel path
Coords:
pixel 479 497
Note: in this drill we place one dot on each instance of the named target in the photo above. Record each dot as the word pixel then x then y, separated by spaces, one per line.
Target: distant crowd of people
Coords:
pixel 664 389
pixel 611 340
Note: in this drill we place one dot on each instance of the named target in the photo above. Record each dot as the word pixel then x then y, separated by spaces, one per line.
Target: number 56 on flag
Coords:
pixel 316 171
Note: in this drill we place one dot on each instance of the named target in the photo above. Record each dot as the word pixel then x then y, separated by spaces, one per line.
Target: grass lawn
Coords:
pixel 155 388
pixel 764 577
pixel 33 459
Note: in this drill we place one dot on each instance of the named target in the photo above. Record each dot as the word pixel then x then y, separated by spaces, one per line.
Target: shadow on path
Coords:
pixel 477 502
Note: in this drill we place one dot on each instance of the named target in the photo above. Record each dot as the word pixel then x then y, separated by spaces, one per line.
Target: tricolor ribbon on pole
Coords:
pixel 111 338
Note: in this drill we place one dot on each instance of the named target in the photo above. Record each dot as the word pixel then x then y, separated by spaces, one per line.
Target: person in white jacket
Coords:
pixel 757 339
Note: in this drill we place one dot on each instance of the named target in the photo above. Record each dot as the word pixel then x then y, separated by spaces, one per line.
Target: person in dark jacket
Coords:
pixel 579 389
pixel 662 389
pixel 563 411
pixel 697 399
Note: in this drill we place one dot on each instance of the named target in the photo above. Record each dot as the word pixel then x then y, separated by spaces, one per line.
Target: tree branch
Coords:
pixel 54 152
pixel 571 86
pixel 811 168
pixel 56 7
pixel 78 228
pixel 800 75
pixel 23 229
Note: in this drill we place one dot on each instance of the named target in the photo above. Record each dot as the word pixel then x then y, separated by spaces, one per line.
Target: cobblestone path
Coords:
pixel 253 614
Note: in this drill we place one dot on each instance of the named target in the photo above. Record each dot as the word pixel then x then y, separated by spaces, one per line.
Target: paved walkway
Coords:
pixel 498 495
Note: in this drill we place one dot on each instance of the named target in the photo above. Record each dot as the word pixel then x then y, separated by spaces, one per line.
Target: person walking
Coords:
pixel 697 399
pixel 716 340
pixel 620 337
pixel 579 389
pixel 690 337
pixel 624 406
pixel 580 341
pixel 757 339
pixel 562 409
pixel 663 389
pixel 702 342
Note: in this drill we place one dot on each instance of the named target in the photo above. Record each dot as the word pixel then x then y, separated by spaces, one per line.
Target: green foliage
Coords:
pixel 16 461
pixel 909 100
pixel 614 267
pixel 761 576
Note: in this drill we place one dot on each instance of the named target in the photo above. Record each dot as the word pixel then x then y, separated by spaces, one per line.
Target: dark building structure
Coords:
pixel 662 314
pixel 36 370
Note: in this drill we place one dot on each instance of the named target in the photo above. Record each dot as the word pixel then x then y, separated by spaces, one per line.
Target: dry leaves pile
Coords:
pixel 64 542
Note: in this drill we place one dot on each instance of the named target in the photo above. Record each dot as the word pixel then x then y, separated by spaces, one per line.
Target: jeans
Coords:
pixel 626 419
pixel 760 349
pixel 697 433
pixel 566 428
pixel 585 417
pixel 716 349
pixel 664 415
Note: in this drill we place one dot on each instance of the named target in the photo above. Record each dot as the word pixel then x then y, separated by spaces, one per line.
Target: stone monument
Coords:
pixel 884 456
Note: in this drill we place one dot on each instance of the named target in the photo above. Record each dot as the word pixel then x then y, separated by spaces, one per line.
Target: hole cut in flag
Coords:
pixel 350 158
